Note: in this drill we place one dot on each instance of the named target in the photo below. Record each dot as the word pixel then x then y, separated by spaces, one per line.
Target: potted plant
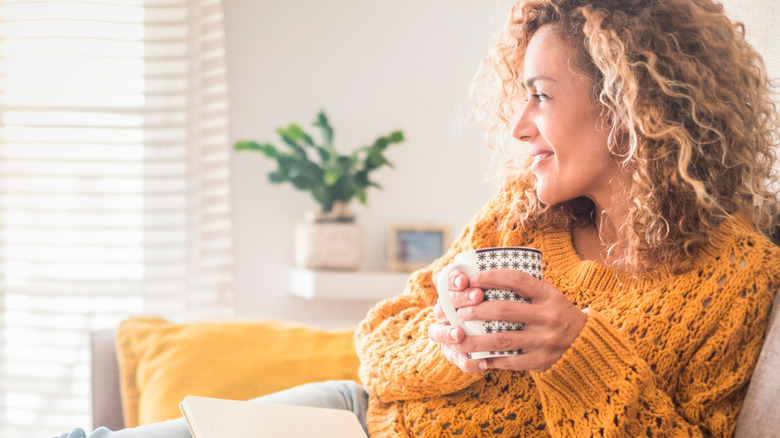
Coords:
pixel 328 237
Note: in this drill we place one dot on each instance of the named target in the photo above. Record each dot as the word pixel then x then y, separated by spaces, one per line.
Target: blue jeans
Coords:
pixel 335 394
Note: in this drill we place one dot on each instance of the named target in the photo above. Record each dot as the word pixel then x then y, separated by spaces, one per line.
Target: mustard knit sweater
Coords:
pixel 667 355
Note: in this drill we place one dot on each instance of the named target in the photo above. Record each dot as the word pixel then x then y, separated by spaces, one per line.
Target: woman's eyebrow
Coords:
pixel 530 81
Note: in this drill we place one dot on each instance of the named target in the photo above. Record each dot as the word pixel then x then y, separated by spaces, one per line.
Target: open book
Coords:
pixel 219 418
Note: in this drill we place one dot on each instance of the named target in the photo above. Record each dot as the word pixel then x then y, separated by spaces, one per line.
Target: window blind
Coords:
pixel 114 187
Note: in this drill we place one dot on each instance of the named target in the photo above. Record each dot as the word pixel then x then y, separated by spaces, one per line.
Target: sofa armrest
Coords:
pixel 760 412
pixel 106 400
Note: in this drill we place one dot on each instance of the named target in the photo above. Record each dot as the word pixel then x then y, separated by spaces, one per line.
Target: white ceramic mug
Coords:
pixel 528 260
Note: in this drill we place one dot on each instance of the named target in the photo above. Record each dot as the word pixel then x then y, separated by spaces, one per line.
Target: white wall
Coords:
pixel 373 67
pixel 762 25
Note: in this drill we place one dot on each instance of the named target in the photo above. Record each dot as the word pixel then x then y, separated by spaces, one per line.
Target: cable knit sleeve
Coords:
pixel 398 359
pixel 602 387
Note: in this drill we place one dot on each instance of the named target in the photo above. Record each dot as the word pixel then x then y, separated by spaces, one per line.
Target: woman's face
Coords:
pixel 561 124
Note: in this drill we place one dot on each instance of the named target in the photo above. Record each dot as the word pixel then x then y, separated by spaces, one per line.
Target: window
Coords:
pixel 114 189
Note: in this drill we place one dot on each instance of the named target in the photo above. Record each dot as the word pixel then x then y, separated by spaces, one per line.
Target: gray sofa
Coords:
pixel 106 400
pixel 759 417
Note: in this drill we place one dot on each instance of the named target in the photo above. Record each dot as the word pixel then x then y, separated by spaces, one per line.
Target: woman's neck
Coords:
pixel 594 240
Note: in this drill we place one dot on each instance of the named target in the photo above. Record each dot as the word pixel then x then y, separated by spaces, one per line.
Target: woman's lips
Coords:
pixel 540 156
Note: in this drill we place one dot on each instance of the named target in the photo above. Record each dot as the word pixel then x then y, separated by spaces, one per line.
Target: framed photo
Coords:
pixel 412 247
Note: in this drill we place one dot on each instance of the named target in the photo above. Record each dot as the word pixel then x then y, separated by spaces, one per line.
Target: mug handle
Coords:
pixel 443 288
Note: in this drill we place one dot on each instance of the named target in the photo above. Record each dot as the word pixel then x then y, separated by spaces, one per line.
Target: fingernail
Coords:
pixel 482 365
pixel 472 295
pixel 454 334
pixel 458 280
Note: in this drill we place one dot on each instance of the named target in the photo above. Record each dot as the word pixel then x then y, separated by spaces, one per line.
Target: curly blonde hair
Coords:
pixel 689 105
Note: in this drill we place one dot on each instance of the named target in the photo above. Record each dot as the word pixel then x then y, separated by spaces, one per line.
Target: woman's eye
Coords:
pixel 540 96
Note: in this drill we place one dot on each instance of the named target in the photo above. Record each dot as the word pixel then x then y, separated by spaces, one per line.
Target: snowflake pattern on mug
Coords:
pixel 520 259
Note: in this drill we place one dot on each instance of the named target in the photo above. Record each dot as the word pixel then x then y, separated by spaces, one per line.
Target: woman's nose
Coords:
pixel 524 129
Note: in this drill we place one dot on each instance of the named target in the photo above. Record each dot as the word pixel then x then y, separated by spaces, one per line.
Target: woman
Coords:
pixel 651 139
pixel 651 135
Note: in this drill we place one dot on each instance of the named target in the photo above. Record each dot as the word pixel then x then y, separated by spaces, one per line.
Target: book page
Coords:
pixel 219 418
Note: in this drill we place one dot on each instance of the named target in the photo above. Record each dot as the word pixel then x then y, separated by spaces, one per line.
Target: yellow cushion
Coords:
pixel 161 362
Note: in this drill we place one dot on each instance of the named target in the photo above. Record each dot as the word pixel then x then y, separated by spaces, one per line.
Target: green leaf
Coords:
pixel 277 177
pixel 301 182
pixel 323 197
pixel 355 158
pixel 322 119
pixel 396 137
pixel 375 160
pixel 344 163
pixel 359 192
pixel 246 146
pixel 359 188
pixel 309 170
pixel 361 178
pixel 286 162
pixel 289 141
pixel 266 148
pixel 343 190
pixel 324 153
pixel 332 176
pixel 381 143
pixel 296 133
pixel 327 130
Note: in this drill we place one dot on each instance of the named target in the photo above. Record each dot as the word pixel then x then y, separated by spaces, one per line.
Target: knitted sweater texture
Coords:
pixel 662 355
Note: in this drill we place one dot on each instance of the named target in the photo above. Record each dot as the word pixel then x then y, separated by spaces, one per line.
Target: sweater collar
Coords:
pixel 560 256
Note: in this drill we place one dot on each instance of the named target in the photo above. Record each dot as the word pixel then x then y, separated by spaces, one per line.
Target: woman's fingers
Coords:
pixel 449 337
pixel 458 280
pixel 462 361
pixel 525 285
pixel 459 300
pixel 504 341
pixel 536 354
pixel 461 292
pixel 466 298
pixel 438 313
pixel 501 310
pixel 540 351
pixel 444 333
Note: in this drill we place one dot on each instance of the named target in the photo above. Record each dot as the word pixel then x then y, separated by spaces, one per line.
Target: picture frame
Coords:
pixel 415 246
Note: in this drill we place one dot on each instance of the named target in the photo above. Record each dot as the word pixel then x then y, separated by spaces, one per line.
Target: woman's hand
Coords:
pixel 552 322
pixel 450 336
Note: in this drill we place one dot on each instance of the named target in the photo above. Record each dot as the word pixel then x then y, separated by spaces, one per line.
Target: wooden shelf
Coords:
pixel 346 285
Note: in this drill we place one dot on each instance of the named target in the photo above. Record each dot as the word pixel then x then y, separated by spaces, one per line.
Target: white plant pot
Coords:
pixel 328 245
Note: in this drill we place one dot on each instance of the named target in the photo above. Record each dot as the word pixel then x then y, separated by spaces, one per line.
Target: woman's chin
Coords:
pixel 549 197
pixel 544 195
